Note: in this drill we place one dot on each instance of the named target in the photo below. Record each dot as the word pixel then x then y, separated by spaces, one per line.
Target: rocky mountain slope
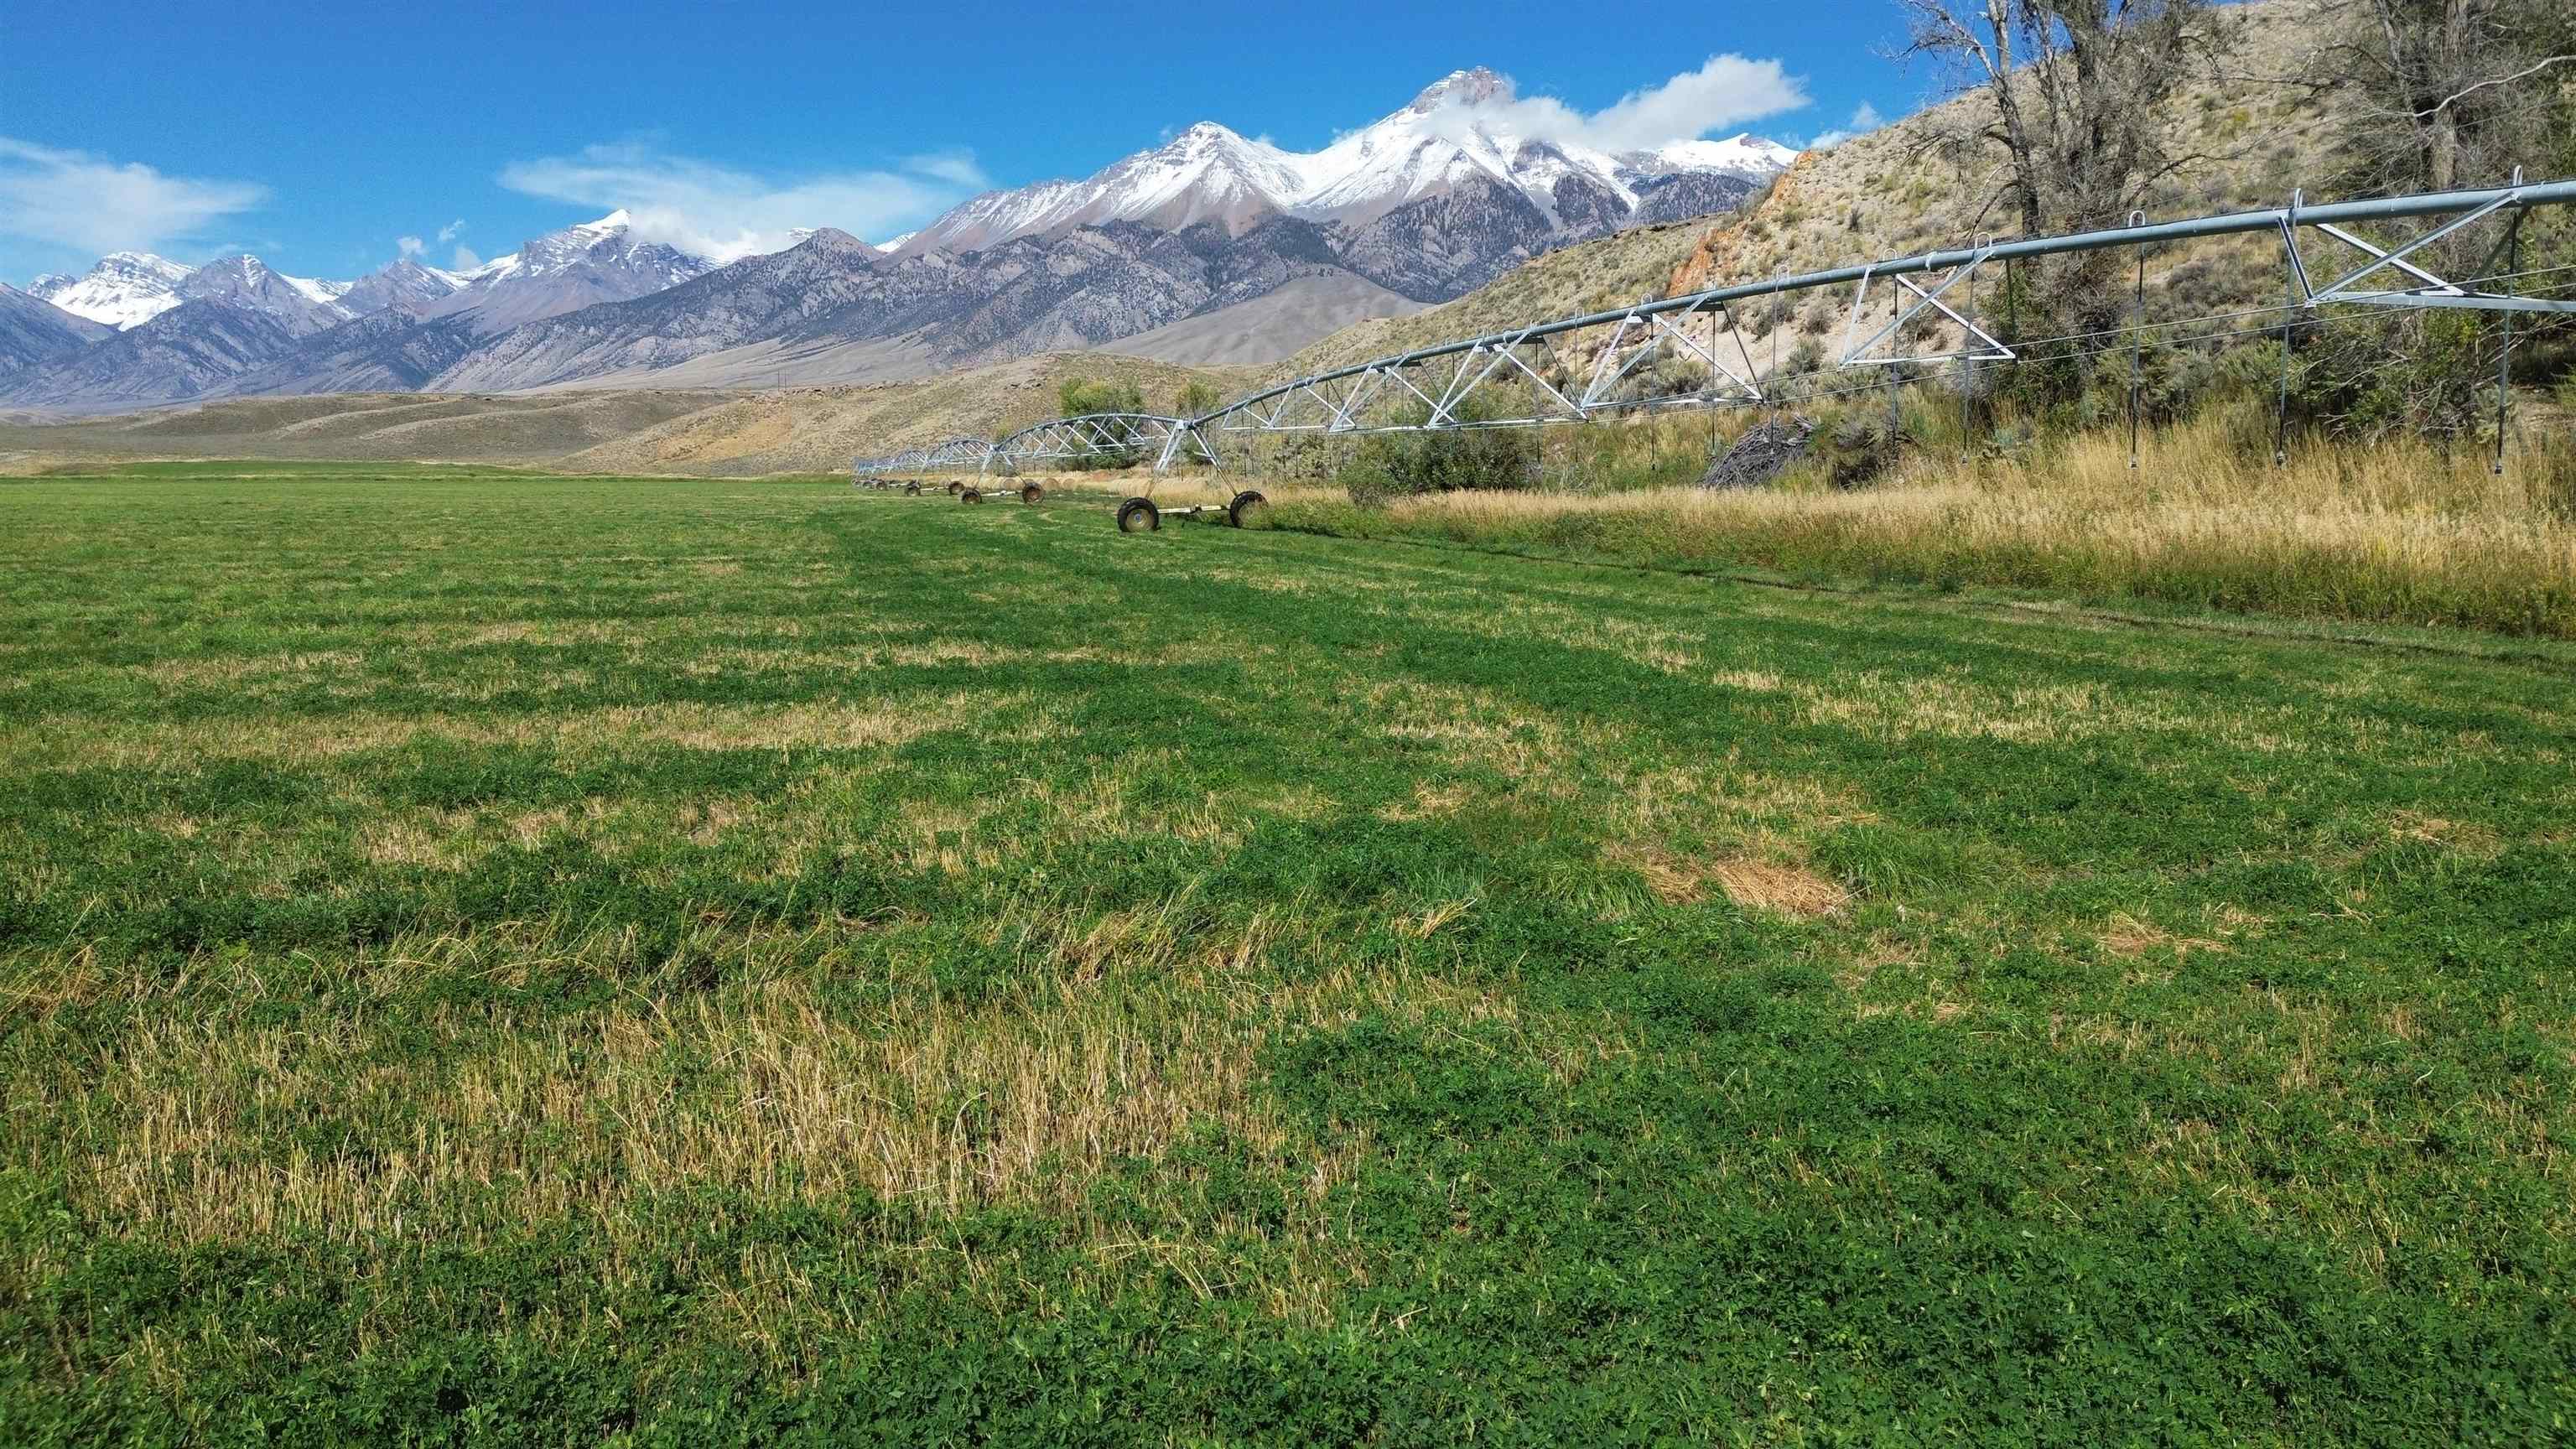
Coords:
pixel 34 331
pixel 299 305
pixel 564 271
pixel 834 308
pixel 1269 327
pixel 386 351
pixel 186 352
pixel 405 284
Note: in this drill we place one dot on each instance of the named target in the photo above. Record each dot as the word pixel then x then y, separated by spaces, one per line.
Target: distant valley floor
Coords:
pixel 702 429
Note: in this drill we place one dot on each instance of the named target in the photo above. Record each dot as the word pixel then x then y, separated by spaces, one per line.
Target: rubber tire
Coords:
pixel 1243 505
pixel 1032 492
pixel 954 487
pixel 1139 515
pixel 970 495
pixel 912 490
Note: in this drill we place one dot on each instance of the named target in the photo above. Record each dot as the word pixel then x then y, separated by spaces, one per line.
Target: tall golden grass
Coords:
pixel 2400 532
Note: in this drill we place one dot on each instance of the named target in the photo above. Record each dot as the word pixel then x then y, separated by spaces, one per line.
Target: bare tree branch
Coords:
pixel 2503 80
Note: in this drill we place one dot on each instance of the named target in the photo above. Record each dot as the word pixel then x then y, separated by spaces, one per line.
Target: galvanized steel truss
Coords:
pixel 1524 377
pixel 1100 439
pixel 954 455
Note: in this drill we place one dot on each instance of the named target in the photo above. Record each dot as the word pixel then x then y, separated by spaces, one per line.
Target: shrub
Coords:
pixel 1448 460
pixel 1079 396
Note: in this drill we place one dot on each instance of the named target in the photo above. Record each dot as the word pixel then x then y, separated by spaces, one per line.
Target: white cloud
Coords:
pixel 464 260
pixel 410 246
pixel 89 203
pixel 719 212
pixel 1726 92
pixel 452 230
pixel 957 168
pixel 1864 118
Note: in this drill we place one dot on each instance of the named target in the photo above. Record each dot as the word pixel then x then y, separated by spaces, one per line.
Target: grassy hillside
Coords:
pixel 624 961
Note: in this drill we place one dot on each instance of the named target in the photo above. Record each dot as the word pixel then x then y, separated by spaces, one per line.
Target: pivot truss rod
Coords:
pixel 950 456
pixel 1574 369
pixel 1094 440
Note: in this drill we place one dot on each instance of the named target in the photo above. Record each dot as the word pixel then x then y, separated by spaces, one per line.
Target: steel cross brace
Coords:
pixel 1618 338
pixel 1860 356
pixel 2436 291
pixel 1512 353
pixel 1659 329
pixel 1752 390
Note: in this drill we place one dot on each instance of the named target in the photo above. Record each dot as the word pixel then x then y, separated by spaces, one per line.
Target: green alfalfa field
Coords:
pixel 506 959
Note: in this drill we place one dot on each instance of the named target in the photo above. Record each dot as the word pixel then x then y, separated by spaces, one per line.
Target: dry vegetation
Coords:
pixel 2404 532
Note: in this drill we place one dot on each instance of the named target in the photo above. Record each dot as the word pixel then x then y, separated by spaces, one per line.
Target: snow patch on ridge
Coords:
pixel 1458 130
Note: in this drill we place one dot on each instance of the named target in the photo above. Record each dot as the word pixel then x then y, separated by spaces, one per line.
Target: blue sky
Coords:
pixel 320 137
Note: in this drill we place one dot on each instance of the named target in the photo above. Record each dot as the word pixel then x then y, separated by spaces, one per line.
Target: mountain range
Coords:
pixel 1210 247
pixel 1447 139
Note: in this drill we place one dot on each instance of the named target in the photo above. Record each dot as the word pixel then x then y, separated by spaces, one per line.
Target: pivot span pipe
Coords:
pixel 2281 220
pixel 1064 438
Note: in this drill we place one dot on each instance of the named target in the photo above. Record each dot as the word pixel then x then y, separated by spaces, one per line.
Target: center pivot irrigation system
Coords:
pixel 1522 377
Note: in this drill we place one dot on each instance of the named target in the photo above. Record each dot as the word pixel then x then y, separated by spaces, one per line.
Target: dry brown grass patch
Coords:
pixel 1428 803
pixel 707 823
pixel 960 1107
pixel 71 741
pixel 235 668
pixel 411 842
pixel 1791 890
pixel 1475 727
pixel 2478 842
pixel 1422 927
pixel 1747 880
pixel 2128 936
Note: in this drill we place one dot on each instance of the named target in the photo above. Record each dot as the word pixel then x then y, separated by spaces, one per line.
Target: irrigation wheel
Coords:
pixel 1245 505
pixel 912 490
pixel 1139 515
pixel 1032 492
pixel 954 487
pixel 970 495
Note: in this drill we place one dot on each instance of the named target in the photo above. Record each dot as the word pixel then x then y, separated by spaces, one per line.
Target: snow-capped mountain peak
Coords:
pixel 610 239
pixel 301 304
pixel 592 261
pixel 1459 131
pixel 125 289
pixel 1743 153
pixel 318 290
pixel 1470 87
pixel 403 283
